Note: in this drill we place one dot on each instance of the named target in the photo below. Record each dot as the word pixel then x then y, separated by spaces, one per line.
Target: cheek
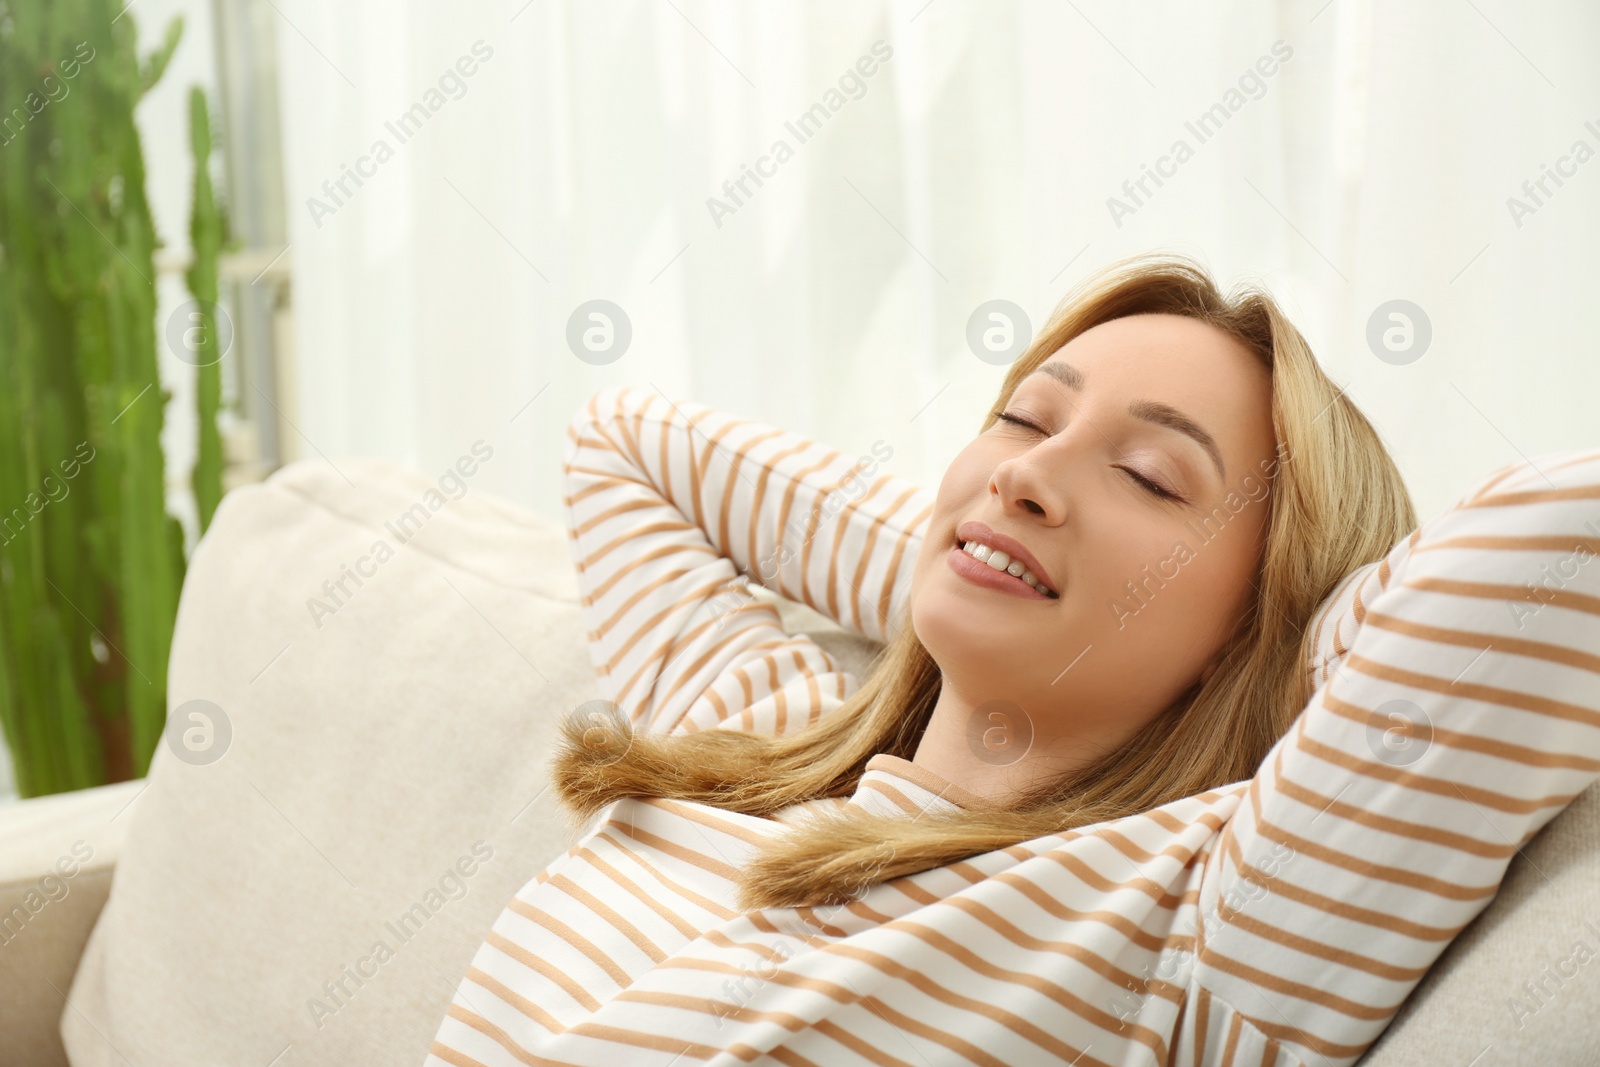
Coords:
pixel 1142 556
pixel 1154 584
pixel 1230 584
pixel 965 480
pixel 961 495
pixel 926 552
pixel 931 550
pixel 1192 593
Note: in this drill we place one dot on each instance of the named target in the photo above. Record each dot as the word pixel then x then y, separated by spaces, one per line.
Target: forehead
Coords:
pixel 1176 342
pixel 1156 354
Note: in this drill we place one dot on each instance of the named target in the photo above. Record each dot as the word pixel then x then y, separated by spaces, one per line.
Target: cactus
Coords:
pixel 207 235
pixel 90 561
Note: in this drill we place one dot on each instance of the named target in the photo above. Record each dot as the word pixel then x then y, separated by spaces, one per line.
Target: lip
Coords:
pixel 977 531
pixel 982 574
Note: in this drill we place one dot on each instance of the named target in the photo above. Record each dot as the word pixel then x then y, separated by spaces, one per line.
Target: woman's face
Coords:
pixel 1149 586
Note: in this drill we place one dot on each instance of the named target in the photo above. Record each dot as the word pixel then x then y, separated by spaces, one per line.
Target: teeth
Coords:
pixel 1002 562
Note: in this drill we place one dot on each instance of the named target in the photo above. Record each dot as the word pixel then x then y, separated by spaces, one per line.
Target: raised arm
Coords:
pixel 674 508
pixel 1461 717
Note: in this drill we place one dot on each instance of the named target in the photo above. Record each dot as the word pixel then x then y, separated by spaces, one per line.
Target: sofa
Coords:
pixel 367 671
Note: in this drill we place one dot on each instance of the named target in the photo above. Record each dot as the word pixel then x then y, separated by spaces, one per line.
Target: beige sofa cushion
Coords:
pixel 1498 997
pixel 313 895
pixel 317 891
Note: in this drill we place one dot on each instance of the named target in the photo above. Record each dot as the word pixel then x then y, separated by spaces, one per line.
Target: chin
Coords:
pixel 943 623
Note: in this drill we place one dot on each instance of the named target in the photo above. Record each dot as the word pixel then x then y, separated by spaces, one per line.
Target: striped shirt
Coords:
pixel 1279 920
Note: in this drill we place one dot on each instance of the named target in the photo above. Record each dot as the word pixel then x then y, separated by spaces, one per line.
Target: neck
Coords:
pixel 994 748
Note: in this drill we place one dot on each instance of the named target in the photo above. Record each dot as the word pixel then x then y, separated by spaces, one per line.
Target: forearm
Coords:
pixel 800 518
pixel 1452 729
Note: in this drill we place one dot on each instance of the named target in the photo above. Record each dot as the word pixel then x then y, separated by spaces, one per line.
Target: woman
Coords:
pixel 1185 744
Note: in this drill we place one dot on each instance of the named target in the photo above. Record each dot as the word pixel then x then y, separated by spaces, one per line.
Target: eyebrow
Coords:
pixel 1151 411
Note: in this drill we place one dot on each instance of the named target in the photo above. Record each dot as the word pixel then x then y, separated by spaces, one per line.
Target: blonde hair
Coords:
pixel 1333 466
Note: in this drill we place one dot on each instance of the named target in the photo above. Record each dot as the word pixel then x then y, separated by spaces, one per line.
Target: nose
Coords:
pixel 1032 483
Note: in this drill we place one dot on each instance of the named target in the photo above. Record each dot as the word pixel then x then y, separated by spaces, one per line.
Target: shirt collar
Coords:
pixel 893 785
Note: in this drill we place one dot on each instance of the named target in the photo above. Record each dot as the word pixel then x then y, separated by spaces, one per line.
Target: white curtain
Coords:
pixel 1347 154
pixel 1441 152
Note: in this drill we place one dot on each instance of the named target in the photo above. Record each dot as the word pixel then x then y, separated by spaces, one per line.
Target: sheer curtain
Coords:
pixel 519 160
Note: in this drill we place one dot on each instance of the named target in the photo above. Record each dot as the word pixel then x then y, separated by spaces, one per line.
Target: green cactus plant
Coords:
pixel 208 233
pixel 90 561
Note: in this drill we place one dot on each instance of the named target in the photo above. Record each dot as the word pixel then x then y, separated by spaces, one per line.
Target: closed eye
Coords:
pixel 1155 489
pixel 1148 484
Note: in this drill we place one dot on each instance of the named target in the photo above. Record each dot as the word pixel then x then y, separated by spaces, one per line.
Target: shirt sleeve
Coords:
pixel 1461 715
pixel 1334 625
pixel 676 510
